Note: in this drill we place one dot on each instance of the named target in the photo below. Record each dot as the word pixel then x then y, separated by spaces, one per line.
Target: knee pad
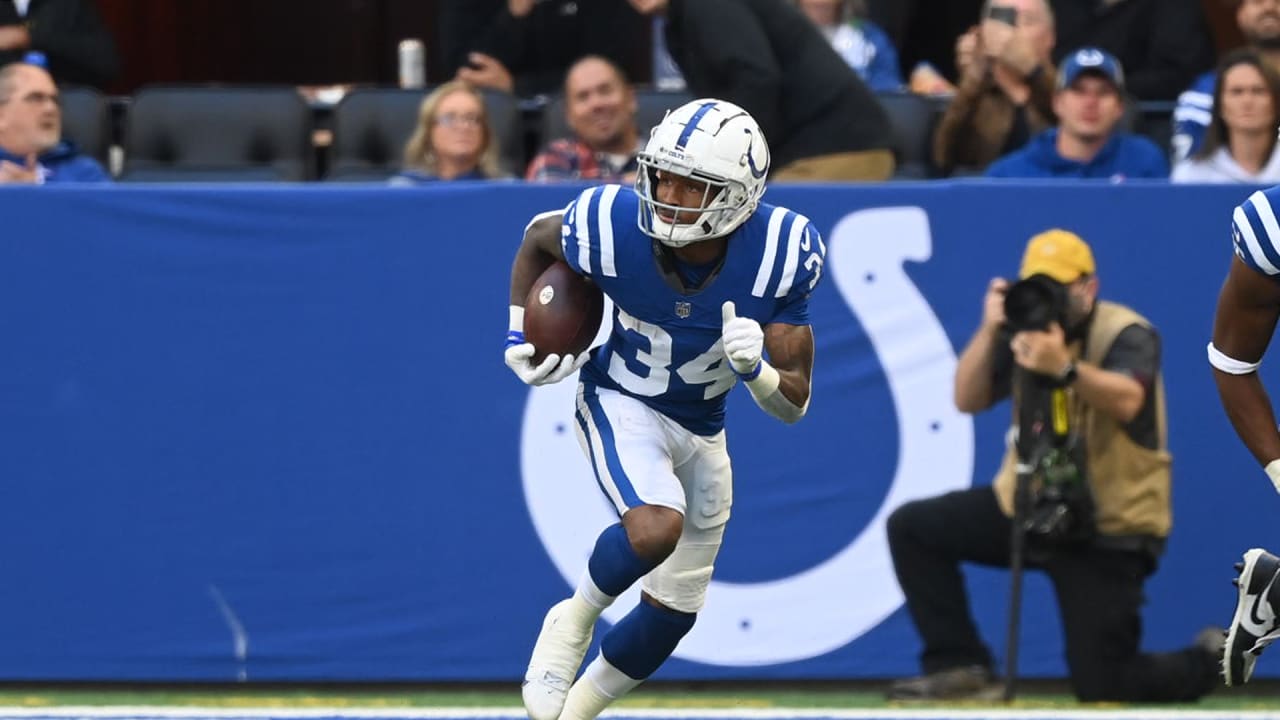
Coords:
pixel 681 581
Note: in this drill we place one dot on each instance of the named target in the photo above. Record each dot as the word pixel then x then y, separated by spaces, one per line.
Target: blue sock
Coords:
pixel 644 639
pixel 614 566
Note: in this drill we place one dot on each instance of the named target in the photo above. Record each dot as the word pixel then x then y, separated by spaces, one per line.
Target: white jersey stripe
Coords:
pixel 1268 218
pixel 798 224
pixel 604 219
pixel 584 231
pixel 564 227
pixel 770 252
pixel 1251 242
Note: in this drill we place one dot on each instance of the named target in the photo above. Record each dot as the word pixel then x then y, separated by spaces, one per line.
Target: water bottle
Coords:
pixel 413 66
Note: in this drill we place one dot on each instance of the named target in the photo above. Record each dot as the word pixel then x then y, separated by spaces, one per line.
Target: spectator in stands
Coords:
pixel 1259 22
pixel 453 140
pixel 1006 86
pixel 526 46
pixel 69 34
pixel 600 107
pixel 1240 145
pixel 1089 104
pixel 859 41
pixel 31 149
pixel 821 120
pixel 1163 44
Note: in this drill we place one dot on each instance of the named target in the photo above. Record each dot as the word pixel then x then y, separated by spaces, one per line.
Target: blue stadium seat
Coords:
pixel 207 133
pixel 913 118
pixel 86 121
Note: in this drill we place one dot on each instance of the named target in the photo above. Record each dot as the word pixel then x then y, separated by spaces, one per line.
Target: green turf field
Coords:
pixel 775 696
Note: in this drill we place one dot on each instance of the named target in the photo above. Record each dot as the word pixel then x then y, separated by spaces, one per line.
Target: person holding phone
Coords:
pixel 1006 86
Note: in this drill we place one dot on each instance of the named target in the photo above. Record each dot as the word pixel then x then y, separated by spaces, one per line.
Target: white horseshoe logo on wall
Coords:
pixel 867 252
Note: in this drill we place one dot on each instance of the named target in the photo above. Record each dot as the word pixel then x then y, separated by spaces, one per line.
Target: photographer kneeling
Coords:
pixel 1099 505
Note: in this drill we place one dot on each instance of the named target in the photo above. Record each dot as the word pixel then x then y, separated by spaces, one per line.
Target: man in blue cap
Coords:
pixel 1089 103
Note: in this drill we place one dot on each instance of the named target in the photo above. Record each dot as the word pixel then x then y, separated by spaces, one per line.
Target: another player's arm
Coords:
pixel 1248 308
pixel 539 249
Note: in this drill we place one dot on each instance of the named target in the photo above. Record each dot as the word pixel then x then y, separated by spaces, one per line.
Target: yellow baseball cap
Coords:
pixel 1060 254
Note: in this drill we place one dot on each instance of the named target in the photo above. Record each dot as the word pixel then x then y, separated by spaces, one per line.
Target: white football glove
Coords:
pixel 552 369
pixel 743 340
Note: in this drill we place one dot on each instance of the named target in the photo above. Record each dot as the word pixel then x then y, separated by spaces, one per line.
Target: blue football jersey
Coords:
pixel 1256 234
pixel 664 348
pixel 1192 115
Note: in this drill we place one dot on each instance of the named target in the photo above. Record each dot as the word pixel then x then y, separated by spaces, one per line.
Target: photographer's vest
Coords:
pixel 1130 483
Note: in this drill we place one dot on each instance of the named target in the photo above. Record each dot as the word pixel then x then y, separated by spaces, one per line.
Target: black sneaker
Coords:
pixel 1255 624
pixel 970 682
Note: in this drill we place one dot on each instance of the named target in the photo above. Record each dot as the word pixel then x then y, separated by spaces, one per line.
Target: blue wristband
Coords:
pixel 749 376
pixel 514 337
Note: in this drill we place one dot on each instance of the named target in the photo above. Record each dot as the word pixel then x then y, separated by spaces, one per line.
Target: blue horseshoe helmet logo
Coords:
pixel 756 172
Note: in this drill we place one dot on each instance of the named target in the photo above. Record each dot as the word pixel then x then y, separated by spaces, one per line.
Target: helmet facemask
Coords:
pixel 725 204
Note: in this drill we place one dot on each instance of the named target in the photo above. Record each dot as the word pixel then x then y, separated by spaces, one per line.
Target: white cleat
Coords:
pixel 557 655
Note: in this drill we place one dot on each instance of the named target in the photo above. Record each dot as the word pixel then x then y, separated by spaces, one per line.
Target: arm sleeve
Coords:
pixel 1254 243
pixel 955 129
pixel 1191 117
pixel 587 233
pixel 883 74
pixel 800 276
pixel 736 48
pixel 1136 353
pixel 73 36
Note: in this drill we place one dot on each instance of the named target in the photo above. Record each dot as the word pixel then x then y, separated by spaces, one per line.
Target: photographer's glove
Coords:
pixel 552 369
pixel 743 342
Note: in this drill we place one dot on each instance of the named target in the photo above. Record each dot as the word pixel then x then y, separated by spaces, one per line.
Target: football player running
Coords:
pixel 706 282
pixel 1248 307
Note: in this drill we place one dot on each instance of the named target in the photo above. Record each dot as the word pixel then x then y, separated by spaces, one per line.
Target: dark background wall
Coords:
pixel 264 41
pixel 316 42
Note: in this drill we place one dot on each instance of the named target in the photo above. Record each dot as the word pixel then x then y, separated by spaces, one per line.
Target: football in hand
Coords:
pixel 562 312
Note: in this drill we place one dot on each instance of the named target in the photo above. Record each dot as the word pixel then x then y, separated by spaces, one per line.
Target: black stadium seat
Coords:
pixel 651 107
pixel 195 133
pixel 86 121
pixel 912 118
pixel 372 125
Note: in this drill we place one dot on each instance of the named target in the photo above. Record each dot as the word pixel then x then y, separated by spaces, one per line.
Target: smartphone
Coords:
pixel 1006 14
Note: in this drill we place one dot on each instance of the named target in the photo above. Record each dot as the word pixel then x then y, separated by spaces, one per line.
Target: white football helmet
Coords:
pixel 714 142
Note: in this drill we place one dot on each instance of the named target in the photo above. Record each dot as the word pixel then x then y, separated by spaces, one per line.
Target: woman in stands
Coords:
pixel 453 140
pixel 1240 143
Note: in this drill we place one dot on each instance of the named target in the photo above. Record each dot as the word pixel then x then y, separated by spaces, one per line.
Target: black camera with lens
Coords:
pixel 1034 303
pixel 1059 510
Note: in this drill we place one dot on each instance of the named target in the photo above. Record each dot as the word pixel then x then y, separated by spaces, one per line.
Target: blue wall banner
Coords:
pixel 266 433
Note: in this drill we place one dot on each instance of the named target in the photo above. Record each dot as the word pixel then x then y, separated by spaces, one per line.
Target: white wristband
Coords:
pixel 1228 364
pixel 515 319
pixel 1273 471
pixel 766 391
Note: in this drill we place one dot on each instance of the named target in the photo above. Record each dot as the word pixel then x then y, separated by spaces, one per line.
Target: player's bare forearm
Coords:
pixel 790 349
pixel 539 248
pixel 1251 414
pixel 1248 308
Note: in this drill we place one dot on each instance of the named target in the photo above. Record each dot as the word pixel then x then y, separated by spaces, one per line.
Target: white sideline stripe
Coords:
pixel 513 713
